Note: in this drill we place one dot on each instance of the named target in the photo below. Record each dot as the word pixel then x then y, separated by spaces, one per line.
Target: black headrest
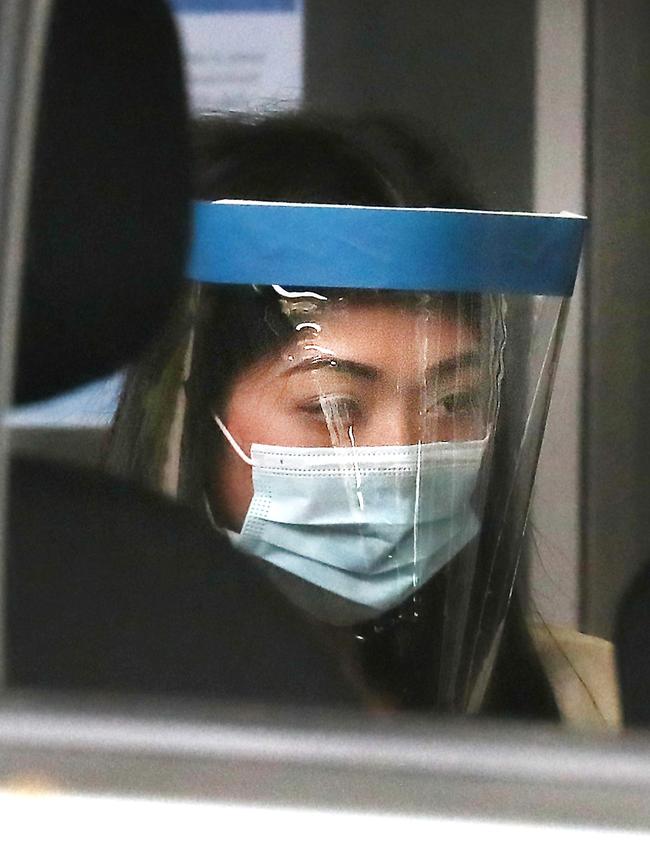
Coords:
pixel 113 588
pixel 110 197
pixel 632 642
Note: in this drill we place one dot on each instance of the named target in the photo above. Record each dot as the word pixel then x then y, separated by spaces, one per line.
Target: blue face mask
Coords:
pixel 370 524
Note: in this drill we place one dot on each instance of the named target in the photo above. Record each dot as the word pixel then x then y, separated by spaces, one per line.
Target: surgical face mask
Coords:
pixel 370 524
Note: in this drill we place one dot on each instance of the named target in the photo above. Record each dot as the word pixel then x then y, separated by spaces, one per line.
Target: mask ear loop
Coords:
pixel 239 452
pixel 236 447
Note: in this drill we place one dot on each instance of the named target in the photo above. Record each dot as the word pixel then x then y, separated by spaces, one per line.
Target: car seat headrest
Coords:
pixel 109 212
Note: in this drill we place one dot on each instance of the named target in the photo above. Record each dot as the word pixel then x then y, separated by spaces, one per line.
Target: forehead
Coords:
pixel 377 332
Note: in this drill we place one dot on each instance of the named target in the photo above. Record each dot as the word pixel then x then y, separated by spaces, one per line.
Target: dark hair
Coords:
pixel 300 158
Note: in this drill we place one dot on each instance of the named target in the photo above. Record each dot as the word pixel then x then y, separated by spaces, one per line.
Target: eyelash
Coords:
pixel 461 403
pixel 336 405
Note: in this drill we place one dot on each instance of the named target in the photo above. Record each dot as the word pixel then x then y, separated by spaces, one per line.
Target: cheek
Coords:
pixel 257 410
pixel 233 489
pixel 270 414
pixel 458 430
pixel 251 415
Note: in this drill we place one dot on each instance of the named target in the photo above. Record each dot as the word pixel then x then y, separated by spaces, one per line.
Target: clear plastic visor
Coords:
pixel 373 448
pixel 376 449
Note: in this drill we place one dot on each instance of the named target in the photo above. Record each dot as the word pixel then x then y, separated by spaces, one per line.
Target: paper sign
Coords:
pixel 242 55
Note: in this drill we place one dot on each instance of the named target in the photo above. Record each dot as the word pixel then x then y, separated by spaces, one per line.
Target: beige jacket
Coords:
pixel 582 673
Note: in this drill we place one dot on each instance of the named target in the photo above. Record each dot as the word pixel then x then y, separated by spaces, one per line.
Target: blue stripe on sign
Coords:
pixel 385 248
pixel 234 5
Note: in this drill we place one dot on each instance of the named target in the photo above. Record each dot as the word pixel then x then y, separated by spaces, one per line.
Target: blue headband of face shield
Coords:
pixel 414 510
pixel 414 249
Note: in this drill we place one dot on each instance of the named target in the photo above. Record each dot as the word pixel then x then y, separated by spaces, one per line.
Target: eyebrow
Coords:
pixel 339 365
pixel 446 367
pixel 455 363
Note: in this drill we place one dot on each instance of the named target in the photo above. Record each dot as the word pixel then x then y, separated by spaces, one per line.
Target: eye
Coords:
pixel 460 403
pixel 344 410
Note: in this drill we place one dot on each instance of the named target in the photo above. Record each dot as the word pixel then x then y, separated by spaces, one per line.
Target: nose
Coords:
pixel 394 424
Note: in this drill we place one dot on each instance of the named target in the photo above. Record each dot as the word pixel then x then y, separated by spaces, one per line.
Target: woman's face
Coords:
pixel 366 373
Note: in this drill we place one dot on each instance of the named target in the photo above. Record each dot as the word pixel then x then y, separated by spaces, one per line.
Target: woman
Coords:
pixel 322 430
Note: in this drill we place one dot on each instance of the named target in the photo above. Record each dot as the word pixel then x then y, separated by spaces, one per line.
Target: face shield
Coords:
pixel 366 391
